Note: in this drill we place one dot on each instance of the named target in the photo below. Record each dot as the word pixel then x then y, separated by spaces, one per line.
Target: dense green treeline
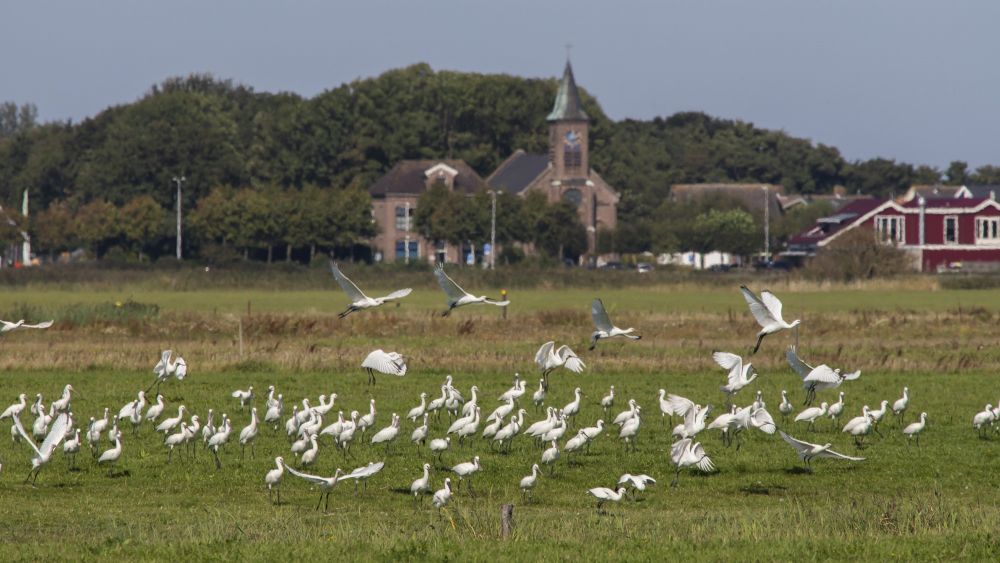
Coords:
pixel 223 135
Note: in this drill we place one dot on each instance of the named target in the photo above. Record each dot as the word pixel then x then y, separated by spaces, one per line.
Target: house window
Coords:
pixel 988 230
pixel 890 228
pixel 401 250
pixel 404 217
pixel 951 230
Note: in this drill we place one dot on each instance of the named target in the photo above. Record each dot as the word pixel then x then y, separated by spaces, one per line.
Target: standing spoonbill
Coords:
pixel 458 297
pixel 325 484
pixel 442 496
pixel 244 397
pixel 766 309
pixel 417 412
pixel 636 482
pixel 914 429
pixel 62 404
pixel 603 326
pixel 419 435
pixel 16 408
pixel 527 484
pixel 538 397
pixel 608 401
pixel 364 473
pixel 550 457
pixel 439 445
pixel 785 407
pixel 421 485
pixel 981 420
pixel 168 424
pixel 899 407
pixel 112 456
pixel 155 410
pixel 809 451
pixel 248 435
pixel 466 470
pixel 388 434
pixel 811 414
pixel 57 432
pixel 272 479
pixel 389 363
pixel 71 447
pixel 360 301
pixel 549 359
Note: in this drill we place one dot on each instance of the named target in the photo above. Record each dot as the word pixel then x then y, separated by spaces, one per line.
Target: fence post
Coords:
pixel 506 520
pixel 503 297
pixel 241 339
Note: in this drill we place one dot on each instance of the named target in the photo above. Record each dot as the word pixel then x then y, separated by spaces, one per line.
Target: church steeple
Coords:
pixel 567 106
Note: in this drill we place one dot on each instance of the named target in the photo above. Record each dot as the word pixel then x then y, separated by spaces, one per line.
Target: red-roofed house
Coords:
pixel 939 233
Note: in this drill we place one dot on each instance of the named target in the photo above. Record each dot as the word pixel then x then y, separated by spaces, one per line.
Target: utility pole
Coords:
pixel 493 231
pixel 179 180
pixel 406 241
pixel 767 225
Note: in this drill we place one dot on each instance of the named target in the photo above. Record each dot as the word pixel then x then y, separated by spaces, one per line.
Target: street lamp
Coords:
pixel 493 231
pixel 179 180
pixel 767 225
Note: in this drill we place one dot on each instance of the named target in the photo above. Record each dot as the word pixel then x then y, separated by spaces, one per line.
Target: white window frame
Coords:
pixel 944 227
pixel 885 234
pixel 991 233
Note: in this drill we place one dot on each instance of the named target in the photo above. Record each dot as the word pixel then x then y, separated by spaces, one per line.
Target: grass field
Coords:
pixel 938 500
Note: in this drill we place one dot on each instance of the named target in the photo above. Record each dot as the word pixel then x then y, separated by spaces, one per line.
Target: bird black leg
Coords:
pixel 756 347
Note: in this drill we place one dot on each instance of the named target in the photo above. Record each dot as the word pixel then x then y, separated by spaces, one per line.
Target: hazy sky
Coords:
pixel 915 80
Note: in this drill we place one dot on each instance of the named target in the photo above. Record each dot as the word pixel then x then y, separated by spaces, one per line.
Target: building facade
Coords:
pixel 940 234
pixel 564 174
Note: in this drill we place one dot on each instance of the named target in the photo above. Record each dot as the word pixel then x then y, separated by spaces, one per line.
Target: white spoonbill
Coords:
pixel 309 456
pixel 836 409
pixel 899 407
pixel 878 414
pixel 128 411
pixel 439 445
pixel 785 407
pixel 570 410
pixel 982 420
pixel 389 363
pixel 325 484
pixel 155 410
pixel 636 482
pixel 274 411
pixel 248 435
pixel 388 434
pixel 859 426
pixel 914 429
pixel 739 373
pixel 576 442
pixel 626 414
pixel 538 397
pixel 506 435
pixel 418 411
pixel 71 447
pixel 608 401
pixel 112 456
pixel 809 451
pixel 168 424
pixel 360 301
pixel 421 484
pixel 63 403
pixel 604 494
pixel 630 430
pixel 515 392
pixel 43 453
pixel 527 484
pixel 174 440
pixel 364 473
pixel 603 326
pixel 443 495
pixel 165 369
pixel 7 326
pixel 817 378
pixel 811 414
pixel 766 309
pixel 498 413
pixel 458 297
pixel 419 435
pixel 550 456
pixel 473 401
pixel 16 408
pixel 244 397
pixel 549 359
pixel 688 453
pixel 593 432
pixel 272 479
pixel 466 470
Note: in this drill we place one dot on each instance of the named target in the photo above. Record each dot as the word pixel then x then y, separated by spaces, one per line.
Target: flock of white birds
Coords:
pixel 309 425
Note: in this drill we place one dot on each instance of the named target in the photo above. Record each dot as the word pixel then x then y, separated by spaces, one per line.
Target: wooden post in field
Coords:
pixel 241 339
pixel 503 297
pixel 248 308
pixel 506 516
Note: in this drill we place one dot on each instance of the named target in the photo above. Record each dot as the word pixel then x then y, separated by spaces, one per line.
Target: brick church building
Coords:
pixel 562 174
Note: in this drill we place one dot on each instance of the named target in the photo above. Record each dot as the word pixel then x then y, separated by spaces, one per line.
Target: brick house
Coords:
pixel 562 174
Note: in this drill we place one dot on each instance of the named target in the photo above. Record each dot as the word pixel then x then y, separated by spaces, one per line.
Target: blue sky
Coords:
pixel 912 80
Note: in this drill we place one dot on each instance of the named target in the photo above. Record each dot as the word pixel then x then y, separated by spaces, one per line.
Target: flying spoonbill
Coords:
pixel 766 309
pixel 389 363
pixel 458 297
pixel 359 300
pixel 603 326
pixel 809 451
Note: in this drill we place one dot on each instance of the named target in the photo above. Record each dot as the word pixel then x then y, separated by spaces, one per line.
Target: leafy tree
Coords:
pixel 16 119
pixel 858 254
pixel 53 229
pixel 987 175
pixel 559 232
pixel 216 218
pixel 142 221
pixel 957 173
pixel 95 223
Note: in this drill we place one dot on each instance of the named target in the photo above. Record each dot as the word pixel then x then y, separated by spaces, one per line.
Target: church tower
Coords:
pixel 568 134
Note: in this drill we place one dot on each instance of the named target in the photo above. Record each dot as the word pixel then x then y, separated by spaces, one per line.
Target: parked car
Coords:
pixel 612 266
pixel 644 267
pixel 773 265
pixel 720 267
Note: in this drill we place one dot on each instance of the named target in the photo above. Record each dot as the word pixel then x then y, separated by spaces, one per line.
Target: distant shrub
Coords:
pixel 858 255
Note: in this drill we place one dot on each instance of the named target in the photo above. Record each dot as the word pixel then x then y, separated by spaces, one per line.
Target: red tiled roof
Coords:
pixel 847 215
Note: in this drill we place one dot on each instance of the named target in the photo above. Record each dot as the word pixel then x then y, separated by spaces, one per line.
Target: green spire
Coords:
pixel 568 106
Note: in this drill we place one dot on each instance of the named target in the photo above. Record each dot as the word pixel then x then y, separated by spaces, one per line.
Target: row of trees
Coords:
pixel 241 220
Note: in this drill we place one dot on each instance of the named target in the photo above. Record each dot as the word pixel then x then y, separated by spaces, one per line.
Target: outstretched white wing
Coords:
pixel 543 353
pixel 56 434
pixel 757 307
pixel 763 421
pixel 835 455
pixel 851 376
pixel 366 471
pixel 352 291
pixel 799 445
pixel 180 368
pixel 448 285
pixel 822 374
pixel 45 324
pixel 601 319
pixel 314 479
pixel 796 363
pixel 573 362
pixel 680 406
pixel 772 303
pixel 704 462
pixel 161 367
pixel 677 450
pixel 389 363
pixel 398 294
pixel 27 438
pixel 731 362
